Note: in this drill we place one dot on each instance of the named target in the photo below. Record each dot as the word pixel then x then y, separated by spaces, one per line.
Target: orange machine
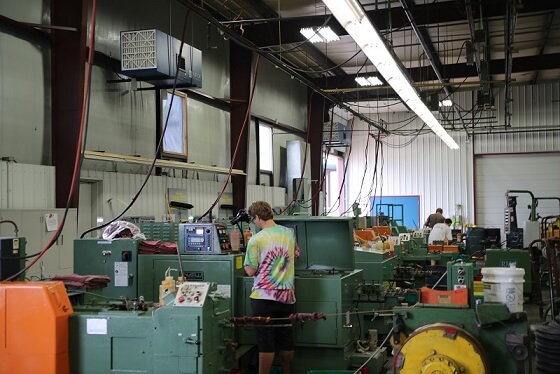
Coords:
pixel 34 327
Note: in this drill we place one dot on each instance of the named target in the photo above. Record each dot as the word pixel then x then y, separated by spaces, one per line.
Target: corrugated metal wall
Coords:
pixel 444 178
pixel 425 167
pixel 24 186
pixel 275 196
pixel 535 108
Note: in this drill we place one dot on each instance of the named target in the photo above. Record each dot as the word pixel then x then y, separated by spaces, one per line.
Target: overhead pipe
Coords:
pixel 201 12
pixel 511 20
pixel 432 60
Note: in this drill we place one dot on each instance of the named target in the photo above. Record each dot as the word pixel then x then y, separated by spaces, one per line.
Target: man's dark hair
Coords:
pixel 261 209
pixel 439 210
pixel 448 221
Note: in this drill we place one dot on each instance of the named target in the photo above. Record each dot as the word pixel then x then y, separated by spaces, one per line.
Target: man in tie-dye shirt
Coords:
pixel 270 259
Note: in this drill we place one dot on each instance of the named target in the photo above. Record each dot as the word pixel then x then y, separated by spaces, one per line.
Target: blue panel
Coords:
pixel 410 211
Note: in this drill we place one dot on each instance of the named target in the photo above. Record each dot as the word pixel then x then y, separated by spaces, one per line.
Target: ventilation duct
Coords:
pixel 152 56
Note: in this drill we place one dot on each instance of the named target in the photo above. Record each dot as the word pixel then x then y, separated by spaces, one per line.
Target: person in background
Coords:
pixel 270 259
pixel 441 231
pixel 434 218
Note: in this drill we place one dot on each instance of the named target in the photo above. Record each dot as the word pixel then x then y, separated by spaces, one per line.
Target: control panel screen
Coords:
pixel 203 238
pixel 195 240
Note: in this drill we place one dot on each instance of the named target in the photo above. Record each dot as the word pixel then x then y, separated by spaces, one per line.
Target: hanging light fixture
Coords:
pixel 368 81
pixel 352 17
pixel 319 34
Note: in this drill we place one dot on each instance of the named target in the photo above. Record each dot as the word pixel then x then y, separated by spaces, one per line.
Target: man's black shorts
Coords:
pixel 272 339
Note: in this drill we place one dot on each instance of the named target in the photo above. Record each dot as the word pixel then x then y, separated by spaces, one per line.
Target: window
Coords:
pixel 265 148
pixel 334 204
pixel 175 139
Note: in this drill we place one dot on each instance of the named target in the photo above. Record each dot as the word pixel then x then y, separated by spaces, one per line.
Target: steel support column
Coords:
pixel 68 57
pixel 240 90
pixel 315 127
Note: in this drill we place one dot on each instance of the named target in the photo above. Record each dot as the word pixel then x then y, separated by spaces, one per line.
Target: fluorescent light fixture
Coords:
pixel 311 35
pixel 446 103
pixel 368 81
pixel 319 35
pixel 352 17
pixel 328 34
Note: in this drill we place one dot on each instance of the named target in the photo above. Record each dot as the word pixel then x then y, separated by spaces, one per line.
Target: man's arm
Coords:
pixel 448 233
pixel 250 271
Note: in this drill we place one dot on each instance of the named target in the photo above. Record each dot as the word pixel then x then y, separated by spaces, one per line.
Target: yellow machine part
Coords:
pixel 441 349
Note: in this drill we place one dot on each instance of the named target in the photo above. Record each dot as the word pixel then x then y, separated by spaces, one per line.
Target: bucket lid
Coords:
pixel 502 271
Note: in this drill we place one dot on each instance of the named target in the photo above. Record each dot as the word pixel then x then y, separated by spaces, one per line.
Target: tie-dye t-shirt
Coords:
pixel 273 251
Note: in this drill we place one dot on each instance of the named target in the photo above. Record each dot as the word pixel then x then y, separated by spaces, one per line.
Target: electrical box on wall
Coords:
pixel 153 56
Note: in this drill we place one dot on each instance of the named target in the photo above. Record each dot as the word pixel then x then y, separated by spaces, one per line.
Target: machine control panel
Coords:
pixel 192 294
pixel 460 275
pixel 203 238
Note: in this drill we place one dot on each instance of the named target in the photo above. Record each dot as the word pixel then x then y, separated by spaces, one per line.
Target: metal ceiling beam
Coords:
pixel 431 53
pixel 23 30
pixel 270 23
pixel 385 20
pixel 457 71
pixel 205 15
pixel 544 43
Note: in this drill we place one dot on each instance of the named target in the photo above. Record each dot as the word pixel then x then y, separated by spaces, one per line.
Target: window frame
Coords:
pixel 182 103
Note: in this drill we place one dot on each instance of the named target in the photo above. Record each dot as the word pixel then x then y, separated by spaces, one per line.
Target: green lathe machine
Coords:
pixel 123 328
pixel 326 282
pixel 191 334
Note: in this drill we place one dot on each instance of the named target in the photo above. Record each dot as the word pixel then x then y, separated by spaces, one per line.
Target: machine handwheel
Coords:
pixel 441 348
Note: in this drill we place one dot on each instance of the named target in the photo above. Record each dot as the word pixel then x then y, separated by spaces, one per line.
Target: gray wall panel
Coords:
pixel 25 186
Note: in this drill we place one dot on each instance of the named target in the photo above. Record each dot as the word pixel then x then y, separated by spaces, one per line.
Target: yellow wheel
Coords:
pixel 441 349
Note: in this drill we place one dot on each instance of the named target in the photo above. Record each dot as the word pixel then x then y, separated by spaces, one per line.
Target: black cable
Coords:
pixel 345 167
pixel 160 142
pixel 20 258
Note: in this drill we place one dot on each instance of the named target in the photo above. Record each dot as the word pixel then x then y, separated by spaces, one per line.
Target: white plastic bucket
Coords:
pixel 504 285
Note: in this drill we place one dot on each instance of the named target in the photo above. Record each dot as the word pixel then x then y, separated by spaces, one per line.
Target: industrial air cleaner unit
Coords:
pixel 336 135
pixel 153 56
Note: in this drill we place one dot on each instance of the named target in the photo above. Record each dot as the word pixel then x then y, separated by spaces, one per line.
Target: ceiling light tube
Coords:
pixel 328 35
pixel 311 35
pixel 352 17
pixel 346 11
pixel 374 81
pixel 368 81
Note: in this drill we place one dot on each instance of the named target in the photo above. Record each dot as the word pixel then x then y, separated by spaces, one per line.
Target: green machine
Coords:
pixel 377 266
pixel 191 334
pixel 133 275
pixel 453 339
pixel 502 258
pixel 117 259
pixel 220 269
pixel 12 249
pixel 326 281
